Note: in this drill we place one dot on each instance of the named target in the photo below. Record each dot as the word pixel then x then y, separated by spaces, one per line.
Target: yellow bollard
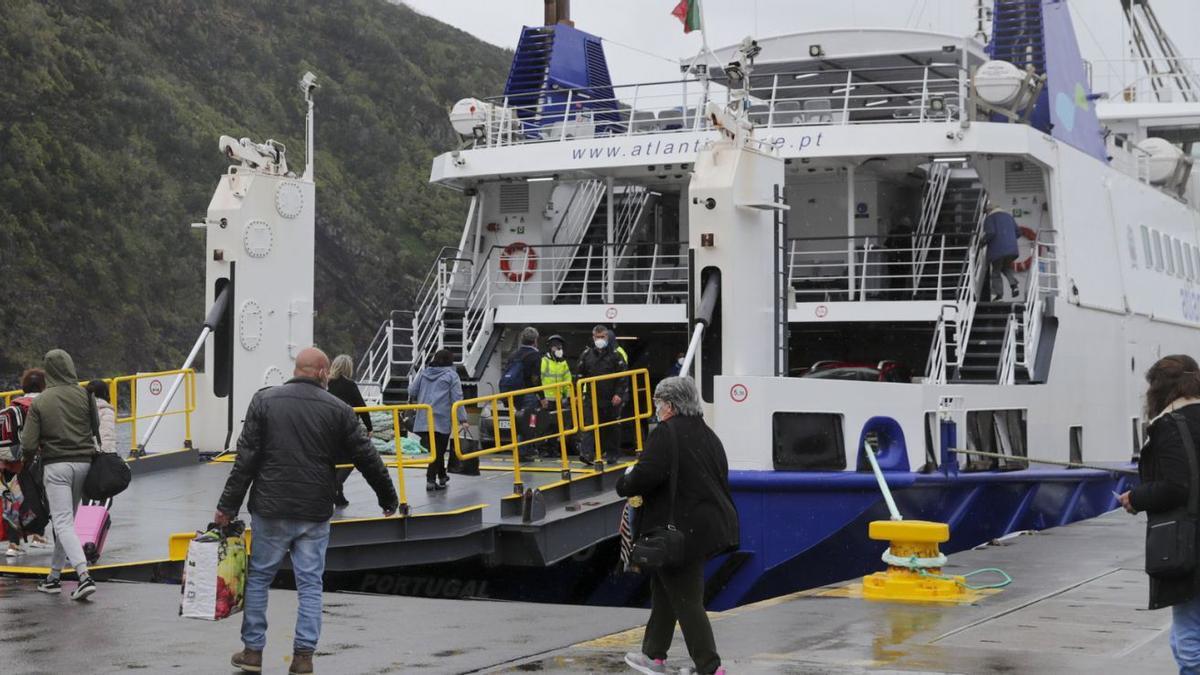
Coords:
pixel 914 572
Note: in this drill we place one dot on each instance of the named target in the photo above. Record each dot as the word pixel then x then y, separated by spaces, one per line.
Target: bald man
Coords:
pixel 293 437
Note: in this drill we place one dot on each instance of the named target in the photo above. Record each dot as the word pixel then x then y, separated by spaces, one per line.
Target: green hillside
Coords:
pixel 110 111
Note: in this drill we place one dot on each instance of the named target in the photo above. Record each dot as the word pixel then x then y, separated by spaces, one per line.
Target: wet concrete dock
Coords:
pixel 1076 606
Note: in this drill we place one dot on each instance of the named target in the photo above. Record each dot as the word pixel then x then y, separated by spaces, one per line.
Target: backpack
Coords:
pixel 12 419
pixel 514 372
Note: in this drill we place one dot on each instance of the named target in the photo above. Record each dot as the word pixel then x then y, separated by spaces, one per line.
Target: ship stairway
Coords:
pixel 584 273
pixel 943 245
pixel 983 354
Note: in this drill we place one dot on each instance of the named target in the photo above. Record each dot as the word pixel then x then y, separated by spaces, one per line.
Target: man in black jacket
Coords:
pixel 293 437
pixel 602 358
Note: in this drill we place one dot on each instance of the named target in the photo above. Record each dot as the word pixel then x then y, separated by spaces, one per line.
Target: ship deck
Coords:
pixel 181 496
pixel 1076 606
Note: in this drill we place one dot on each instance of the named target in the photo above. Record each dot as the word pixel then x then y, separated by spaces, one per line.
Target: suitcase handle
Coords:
pixel 107 503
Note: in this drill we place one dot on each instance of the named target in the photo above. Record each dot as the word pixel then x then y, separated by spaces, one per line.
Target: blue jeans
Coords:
pixel 1185 636
pixel 271 540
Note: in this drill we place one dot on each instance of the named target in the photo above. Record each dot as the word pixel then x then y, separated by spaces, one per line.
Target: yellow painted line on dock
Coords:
pixel 28 570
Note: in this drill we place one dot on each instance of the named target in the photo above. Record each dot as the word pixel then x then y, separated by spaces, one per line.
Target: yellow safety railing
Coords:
pixel 639 392
pixel 397 437
pixel 129 383
pixel 515 442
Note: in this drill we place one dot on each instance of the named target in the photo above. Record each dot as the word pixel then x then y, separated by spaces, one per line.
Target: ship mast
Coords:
pixel 1145 27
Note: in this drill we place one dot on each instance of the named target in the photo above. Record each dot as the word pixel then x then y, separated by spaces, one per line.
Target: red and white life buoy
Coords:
pixel 1025 263
pixel 518 261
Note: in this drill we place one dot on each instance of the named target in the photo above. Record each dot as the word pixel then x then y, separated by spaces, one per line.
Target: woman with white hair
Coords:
pixel 683 480
pixel 343 386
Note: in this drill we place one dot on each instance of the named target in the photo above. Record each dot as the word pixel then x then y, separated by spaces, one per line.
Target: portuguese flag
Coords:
pixel 688 11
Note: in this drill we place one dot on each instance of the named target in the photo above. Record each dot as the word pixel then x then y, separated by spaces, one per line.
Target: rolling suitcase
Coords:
pixel 92 522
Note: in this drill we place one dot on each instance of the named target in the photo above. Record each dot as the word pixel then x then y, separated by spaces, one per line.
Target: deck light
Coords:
pixel 805 76
pixel 539 179
pixel 876 102
pixel 937 103
pixel 949 160
pixel 815 51
pixel 843 90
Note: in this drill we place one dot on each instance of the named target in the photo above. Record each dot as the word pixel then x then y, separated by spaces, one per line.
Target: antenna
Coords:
pixel 308 84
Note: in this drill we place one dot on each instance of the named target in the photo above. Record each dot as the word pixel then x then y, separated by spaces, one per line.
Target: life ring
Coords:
pixel 518 269
pixel 1024 264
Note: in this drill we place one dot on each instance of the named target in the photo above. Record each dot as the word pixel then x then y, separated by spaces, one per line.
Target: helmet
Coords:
pixel 556 338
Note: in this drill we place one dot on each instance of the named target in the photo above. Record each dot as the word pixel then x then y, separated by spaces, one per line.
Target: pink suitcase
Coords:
pixel 91 525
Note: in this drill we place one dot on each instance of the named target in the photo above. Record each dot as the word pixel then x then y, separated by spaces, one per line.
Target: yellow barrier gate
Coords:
pixel 129 383
pixel 396 410
pixel 639 392
pixel 639 383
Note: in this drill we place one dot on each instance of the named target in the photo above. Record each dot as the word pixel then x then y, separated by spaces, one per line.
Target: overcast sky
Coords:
pixel 647 25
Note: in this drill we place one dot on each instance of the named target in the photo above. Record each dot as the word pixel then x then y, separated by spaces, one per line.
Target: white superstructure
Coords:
pixel 885 155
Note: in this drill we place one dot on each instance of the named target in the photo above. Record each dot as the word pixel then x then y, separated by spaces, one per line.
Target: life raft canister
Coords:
pixel 518 261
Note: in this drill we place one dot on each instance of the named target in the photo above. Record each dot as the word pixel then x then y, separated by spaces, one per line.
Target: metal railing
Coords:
pixel 818 271
pixel 867 95
pixel 560 431
pixel 931 209
pixel 517 440
pixel 938 358
pixel 580 210
pixel 1042 282
pixel 1007 373
pixel 127 385
pixel 397 431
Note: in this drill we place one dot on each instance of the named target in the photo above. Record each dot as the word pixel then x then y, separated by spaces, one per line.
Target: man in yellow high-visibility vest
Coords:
pixel 556 370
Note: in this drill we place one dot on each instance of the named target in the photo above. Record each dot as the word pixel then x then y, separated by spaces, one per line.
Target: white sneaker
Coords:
pixel 13 551
pixel 644 664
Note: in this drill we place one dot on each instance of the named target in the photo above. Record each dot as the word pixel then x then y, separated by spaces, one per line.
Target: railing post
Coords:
pixel 924 92
pixel 771 104
pixel 633 109
pixel 846 107
pixel 562 135
pixel 609 252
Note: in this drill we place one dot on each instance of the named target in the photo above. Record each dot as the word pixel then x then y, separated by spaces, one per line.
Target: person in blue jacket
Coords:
pixel 1000 234
pixel 438 386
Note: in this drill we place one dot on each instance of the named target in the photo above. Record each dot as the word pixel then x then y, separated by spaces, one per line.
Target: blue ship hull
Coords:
pixel 798 531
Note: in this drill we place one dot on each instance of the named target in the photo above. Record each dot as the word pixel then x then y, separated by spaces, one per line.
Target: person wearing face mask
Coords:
pixel 703 511
pixel 555 370
pixel 602 358
pixel 293 438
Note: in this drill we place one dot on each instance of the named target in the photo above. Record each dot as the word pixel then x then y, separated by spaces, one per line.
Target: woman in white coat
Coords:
pixel 108 416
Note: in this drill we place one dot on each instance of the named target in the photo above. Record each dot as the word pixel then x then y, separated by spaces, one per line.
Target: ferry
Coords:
pixel 851 307
pixel 799 219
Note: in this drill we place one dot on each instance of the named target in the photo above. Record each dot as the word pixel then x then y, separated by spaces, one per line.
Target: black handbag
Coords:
pixel 662 547
pixel 109 474
pixel 1171 536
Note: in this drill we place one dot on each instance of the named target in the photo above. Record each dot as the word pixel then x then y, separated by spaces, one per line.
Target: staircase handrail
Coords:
pixel 1035 294
pixel 1007 371
pixel 630 215
pixel 373 367
pixel 935 362
pixel 931 209
pixel 587 188
pixel 968 297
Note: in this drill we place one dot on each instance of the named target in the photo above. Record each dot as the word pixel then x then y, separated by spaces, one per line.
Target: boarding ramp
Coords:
pixel 515 514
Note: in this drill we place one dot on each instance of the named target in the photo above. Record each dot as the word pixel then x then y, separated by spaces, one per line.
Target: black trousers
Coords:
pixel 610 436
pixel 677 596
pixel 436 468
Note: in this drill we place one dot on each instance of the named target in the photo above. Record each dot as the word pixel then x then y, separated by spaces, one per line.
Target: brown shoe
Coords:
pixel 248 660
pixel 301 663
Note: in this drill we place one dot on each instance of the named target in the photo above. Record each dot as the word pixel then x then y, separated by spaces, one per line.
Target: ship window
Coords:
pixel 1146 255
pixel 1196 255
pixel 808 441
pixel 1158 252
pixel 1187 258
pixel 1178 257
pixel 1169 255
